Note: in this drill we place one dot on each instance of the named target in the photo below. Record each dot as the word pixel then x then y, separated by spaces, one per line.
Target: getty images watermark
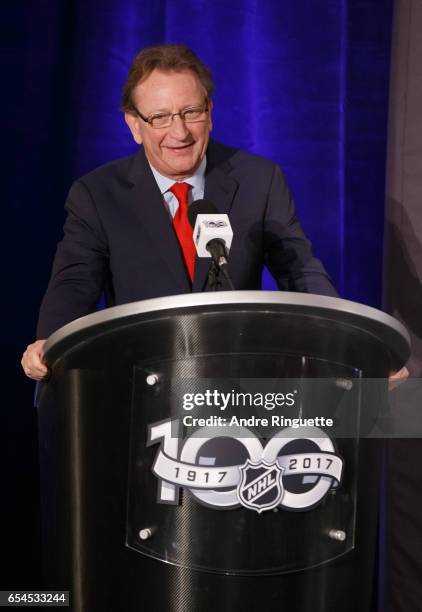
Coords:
pixel 234 399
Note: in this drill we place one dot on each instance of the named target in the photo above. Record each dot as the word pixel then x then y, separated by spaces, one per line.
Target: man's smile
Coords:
pixel 179 148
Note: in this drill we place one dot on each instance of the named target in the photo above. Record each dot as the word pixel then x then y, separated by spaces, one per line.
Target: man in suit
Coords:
pixel 127 232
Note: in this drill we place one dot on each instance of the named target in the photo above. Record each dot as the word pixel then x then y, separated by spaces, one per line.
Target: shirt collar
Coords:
pixel 196 180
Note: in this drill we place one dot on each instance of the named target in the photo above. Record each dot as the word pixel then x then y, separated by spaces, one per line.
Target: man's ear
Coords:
pixel 210 113
pixel 133 124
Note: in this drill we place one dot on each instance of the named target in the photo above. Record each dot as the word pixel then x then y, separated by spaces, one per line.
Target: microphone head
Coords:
pixel 209 229
pixel 201 207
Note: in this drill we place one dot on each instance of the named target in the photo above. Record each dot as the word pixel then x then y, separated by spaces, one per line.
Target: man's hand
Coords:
pixel 396 378
pixel 33 361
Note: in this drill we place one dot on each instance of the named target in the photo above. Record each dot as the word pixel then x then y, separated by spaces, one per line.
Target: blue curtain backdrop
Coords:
pixel 303 82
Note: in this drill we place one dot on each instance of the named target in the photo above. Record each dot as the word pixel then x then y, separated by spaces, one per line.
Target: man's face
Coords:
pixel 175 151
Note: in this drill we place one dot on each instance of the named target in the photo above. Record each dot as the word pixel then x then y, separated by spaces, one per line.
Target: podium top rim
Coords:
pixel 306 301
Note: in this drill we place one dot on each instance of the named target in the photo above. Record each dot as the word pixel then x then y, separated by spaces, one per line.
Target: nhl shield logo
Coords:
pixel 260 487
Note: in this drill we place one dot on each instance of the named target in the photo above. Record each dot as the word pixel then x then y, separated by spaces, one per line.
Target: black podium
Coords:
pixel 207 452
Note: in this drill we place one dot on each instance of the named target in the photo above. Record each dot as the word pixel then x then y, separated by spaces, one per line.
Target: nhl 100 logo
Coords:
pixel 228 467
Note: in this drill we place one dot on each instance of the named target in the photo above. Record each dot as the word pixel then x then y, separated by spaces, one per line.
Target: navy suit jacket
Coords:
pixel 118 237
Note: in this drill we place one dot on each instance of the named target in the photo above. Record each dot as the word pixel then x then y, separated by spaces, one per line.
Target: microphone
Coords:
pixel 212 235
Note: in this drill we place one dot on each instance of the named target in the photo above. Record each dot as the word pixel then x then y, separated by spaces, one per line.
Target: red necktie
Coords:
pixel 183 228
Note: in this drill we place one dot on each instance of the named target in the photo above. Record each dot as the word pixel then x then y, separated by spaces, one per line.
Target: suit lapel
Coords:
pixel 148 203
pixel 220 189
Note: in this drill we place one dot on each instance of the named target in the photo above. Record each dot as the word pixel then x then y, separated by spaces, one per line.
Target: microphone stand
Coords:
pixel 219 264
pixel 214 282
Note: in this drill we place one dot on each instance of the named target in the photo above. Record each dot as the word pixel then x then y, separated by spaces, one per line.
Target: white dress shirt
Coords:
pixel 197 181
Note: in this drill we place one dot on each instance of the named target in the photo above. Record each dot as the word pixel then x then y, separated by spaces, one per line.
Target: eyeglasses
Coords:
pixel 163 120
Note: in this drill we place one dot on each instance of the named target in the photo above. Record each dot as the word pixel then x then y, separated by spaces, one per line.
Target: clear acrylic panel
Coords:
pixel 243 475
